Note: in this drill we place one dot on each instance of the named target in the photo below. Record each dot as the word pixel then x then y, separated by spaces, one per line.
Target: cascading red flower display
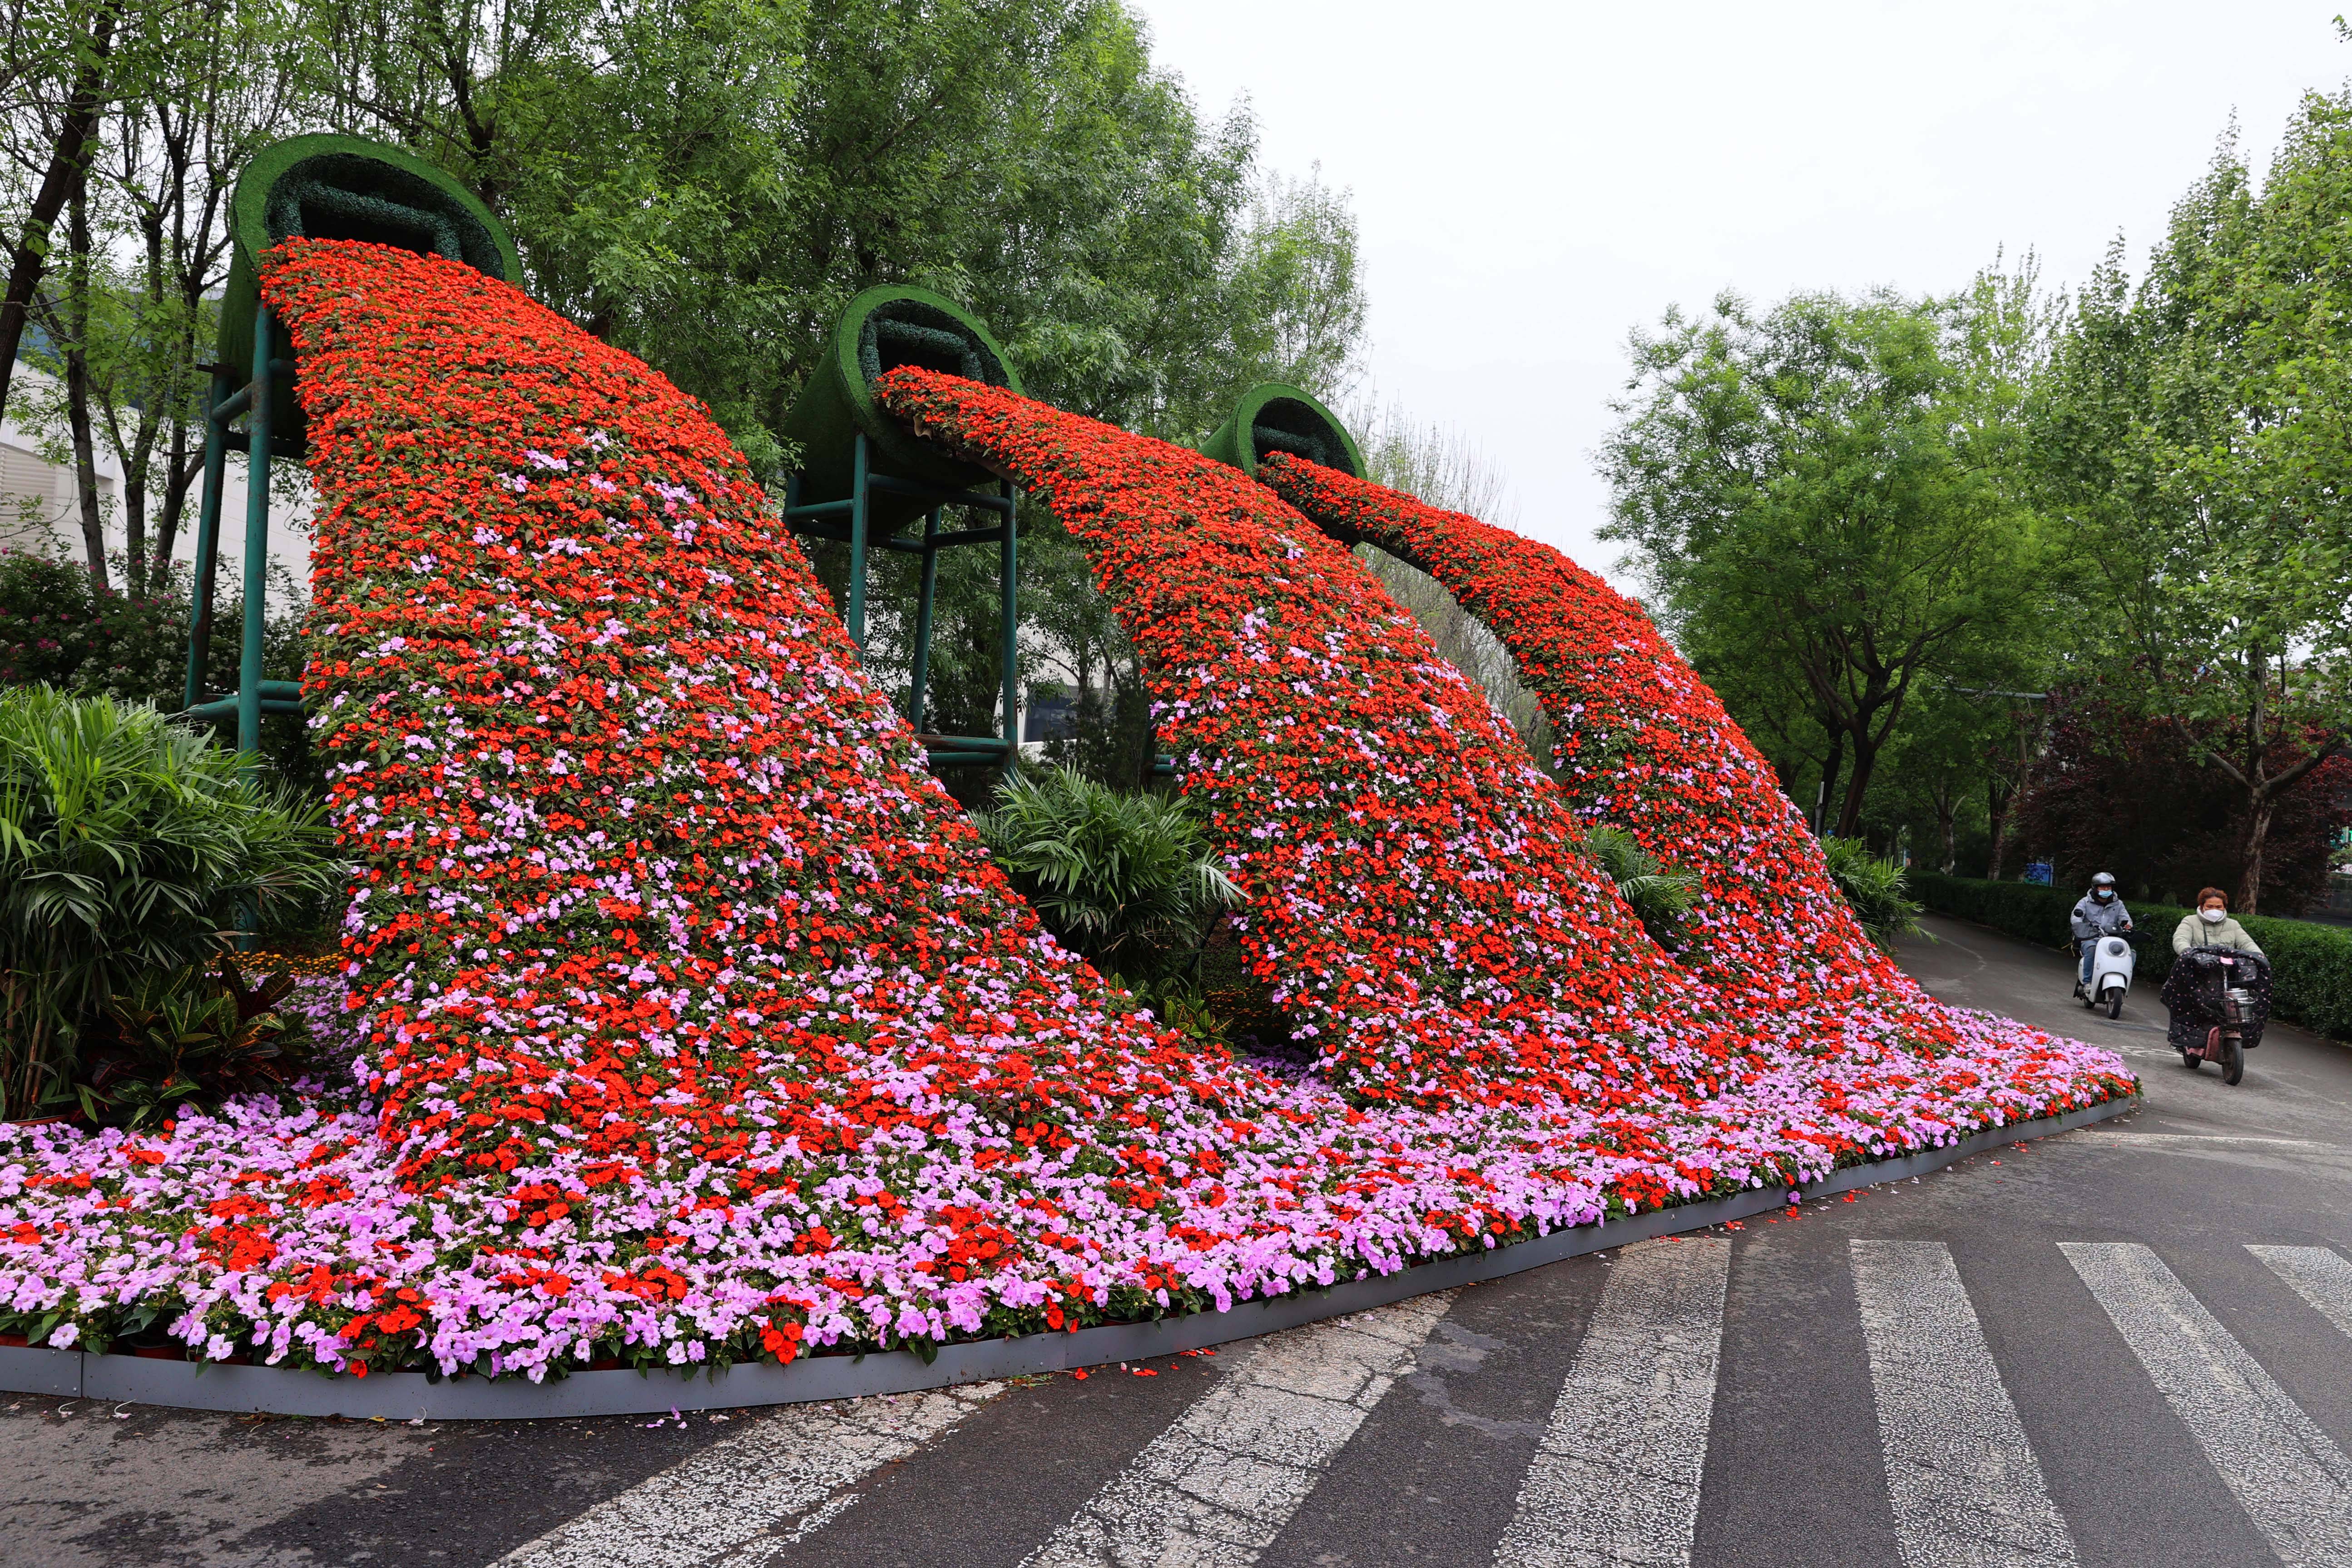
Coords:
pixel 1639 741
pixel 1415 900
pixel 689 1022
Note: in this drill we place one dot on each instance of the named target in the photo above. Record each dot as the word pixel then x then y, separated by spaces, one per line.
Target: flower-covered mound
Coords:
pixel 688 1022
pixel 1639 740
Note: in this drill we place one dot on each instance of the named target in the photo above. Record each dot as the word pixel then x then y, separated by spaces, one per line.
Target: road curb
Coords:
pixel 288 1390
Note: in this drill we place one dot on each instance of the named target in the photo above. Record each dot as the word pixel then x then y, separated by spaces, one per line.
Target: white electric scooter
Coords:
pixel 2112 962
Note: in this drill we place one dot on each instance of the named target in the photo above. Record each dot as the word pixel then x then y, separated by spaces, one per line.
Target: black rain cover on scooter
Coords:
pixel 2193 992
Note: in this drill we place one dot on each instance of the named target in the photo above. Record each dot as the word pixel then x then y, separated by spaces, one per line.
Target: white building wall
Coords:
pixel 40 510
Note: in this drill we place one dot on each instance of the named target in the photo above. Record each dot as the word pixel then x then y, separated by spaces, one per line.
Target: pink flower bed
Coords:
pixel 688 1023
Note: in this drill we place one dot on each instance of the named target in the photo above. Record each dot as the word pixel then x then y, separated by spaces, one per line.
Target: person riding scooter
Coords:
pixel 2219 992
pixel 2211 926
pixel 2097 913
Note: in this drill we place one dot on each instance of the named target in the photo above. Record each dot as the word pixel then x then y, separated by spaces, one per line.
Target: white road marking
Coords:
pixel 1966 1490
pixel 1216 1487
pixel 2319 1275
pixel 1615 1480
pixel 2165 1139
pixel 737 1501
pixel 2292 1481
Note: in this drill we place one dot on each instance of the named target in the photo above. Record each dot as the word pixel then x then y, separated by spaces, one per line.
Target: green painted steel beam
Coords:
pixel 926 601
pixel 1008 566
pixel 208 508
pixel 230 707
pixel 256 536
pixel 835 534
pixel 938 496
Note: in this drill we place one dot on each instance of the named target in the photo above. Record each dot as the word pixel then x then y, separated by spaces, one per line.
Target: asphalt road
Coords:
pixel 2067 1352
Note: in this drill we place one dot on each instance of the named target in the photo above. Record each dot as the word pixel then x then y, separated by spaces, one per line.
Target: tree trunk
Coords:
pixel 1829 771
pixel 61 181
pixel 179 473
pixel 1865 761
pixel 85 449
pixel 2258 830
pixel 1999 798
pixel 1948 810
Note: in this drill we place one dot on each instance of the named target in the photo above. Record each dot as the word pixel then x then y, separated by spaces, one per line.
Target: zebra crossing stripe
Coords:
pixel 1615 1480
pixel 1216 1486
pixel 737 1501
pixel 2292 1481
pixel 2319 1275
pixel 1959 1471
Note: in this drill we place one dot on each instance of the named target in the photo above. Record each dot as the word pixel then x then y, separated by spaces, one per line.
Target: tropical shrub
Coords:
pixel 1128 880
pixel 182 1039
pixel 1873 887
pixel 1660 897
pixel 127 845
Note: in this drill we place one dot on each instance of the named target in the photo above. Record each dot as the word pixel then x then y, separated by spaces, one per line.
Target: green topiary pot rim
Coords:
pixel 1272 415
pixel 367 191
pixel 883 327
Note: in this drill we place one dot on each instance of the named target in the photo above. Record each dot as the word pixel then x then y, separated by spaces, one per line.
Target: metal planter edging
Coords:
pixel 407 1395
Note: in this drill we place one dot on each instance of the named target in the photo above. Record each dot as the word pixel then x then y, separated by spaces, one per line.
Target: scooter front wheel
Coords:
pixel 2233 1059
pixel 2115 1001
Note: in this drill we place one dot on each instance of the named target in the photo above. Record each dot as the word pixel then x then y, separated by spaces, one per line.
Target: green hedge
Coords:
pixel 2311 965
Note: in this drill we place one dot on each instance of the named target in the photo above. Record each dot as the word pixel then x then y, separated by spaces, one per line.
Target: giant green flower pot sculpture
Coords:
pixel 343 187
pixel 881 329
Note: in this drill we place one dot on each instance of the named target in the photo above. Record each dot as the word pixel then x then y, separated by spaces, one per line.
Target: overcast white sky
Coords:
pixel 1534 180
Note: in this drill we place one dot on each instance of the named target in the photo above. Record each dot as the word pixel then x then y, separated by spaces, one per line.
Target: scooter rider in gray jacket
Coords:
pixel 2098 913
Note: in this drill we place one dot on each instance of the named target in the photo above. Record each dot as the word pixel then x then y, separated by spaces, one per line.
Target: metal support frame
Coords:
pixel 254 697
pixel 845 522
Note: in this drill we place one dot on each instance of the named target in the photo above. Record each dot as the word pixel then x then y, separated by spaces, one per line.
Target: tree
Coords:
pixel 189 89
pixel 1822 494
pixel 706 182
pixel 59 85
pixel 2193 441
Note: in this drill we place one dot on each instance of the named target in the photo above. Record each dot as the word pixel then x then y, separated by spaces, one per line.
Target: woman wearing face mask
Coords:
pixel 2211 926
pixel 2097 913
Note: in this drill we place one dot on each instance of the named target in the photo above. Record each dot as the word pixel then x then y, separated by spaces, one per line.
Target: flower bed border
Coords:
pixel 287 1391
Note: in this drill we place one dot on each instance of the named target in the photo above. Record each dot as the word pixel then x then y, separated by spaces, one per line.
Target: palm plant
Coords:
pixel 127 845
pixel 1127 880
pixel 1874 888
pixel 1659 895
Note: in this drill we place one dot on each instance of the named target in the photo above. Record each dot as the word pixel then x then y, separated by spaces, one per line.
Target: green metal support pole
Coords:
pixel 1008 565
pixel 857 507
pixel 209 509
pixel 922 677
pixel 257 541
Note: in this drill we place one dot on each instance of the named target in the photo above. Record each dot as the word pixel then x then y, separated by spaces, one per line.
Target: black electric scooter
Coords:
pixel 2221 1001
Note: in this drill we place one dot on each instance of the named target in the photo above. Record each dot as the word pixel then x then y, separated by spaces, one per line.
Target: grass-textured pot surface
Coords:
pixel 330 187
pixel 1272 417
pixel 879 331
